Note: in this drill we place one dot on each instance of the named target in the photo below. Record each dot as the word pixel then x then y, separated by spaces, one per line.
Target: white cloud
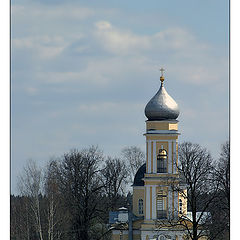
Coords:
pixel 190 60
pixel 179 48
pixel 125 42
pixel 118 41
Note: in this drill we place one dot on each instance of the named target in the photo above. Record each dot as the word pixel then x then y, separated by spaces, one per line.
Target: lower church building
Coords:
pixel 158 190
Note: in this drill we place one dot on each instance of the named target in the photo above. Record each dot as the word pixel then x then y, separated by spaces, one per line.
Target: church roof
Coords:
pixel 162 106
pixel 139 176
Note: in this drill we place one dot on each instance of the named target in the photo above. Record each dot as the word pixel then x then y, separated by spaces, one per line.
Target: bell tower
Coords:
pixel 156 200
pixel 161 202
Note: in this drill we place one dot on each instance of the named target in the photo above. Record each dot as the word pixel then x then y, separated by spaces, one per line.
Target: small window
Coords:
pixel 140 206
pixel 180 206
pixel 162 161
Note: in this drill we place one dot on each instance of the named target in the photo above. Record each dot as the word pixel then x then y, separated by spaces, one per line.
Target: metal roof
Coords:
pixel 139 176
pixel 162 106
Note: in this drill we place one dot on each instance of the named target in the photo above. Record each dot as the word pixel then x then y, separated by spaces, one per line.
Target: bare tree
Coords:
pixel 114 178
pixel 20 218
pixel 134 158
pixel 223 176
pixel 196 171
pixel 54 209
pixel 71 199
pixel 220 208
pixel 81 189
pixel 30 185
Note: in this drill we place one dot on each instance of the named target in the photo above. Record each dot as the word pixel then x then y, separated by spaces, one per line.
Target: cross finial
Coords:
pixel 162 77
pixel 162 70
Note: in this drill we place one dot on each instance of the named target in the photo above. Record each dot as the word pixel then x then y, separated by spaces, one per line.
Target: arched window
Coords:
pixel 162 161
pixel 140 206
pixel 180 206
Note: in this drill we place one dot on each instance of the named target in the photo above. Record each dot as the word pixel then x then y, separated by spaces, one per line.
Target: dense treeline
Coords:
pixel 72 196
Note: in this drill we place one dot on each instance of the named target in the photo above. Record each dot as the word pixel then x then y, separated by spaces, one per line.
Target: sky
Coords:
pixel 83 71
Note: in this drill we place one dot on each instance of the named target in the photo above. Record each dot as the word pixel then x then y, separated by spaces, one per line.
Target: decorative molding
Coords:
pixel 138 187
pixel 162 131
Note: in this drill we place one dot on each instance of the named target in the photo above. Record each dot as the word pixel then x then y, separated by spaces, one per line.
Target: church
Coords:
pixel 156 203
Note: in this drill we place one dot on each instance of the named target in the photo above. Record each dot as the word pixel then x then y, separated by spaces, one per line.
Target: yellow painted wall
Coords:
pixel 153 179
pixel 159 182
pixel 162 125
pixel 138 194
pixel 125 236
pixel 117 237
pixel 148 224
pixel 137 224
pixel 184 201
pixel 173 126
pixel 160 137
pixel 136 237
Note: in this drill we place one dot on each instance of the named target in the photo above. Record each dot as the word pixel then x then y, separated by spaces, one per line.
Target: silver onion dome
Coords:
pixel 162 106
